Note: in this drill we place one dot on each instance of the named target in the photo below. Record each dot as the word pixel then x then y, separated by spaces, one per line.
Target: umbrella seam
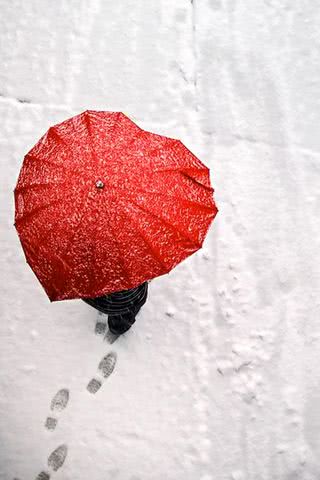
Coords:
pixel 155 255
pixel 167 143
pixel 35 211
pixel 116 240
pixel 87 124
pixel 43 240
pixel 57 135
pixel 162 220
pixel 59 138
pixel 179 169
pixel 35 185
pixel 194 180
pixel 84 210
pixel 45 159
pixel 204 207
pixel 30 254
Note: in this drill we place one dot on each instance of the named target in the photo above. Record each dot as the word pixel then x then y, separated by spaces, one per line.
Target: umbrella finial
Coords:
pixel 99 184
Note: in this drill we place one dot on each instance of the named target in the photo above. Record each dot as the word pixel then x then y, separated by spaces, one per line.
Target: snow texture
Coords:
pixel 219 378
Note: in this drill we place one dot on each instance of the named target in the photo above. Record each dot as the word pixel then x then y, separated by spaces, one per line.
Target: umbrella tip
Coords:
pixel 99 184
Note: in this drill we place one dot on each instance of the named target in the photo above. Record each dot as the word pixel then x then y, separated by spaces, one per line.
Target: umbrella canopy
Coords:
pixel 103 205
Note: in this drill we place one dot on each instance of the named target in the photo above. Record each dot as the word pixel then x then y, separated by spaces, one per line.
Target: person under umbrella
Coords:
pixel 102 206
pixel 121 307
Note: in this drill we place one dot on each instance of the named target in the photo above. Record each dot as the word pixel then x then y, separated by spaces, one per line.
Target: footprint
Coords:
pixel 101 324
pixel 105 368
pixel 110 337
pixel 55 461
pixel 57 457
pixel 58 403
pixel 43 476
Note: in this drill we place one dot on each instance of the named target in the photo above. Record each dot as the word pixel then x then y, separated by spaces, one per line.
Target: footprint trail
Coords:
pixel 105 368
pixel 61 399
pixel 58 403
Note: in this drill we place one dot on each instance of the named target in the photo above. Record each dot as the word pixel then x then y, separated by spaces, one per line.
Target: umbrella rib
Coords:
pixel 94 255
pixel 180 199
pixel 87 121
pixel 164 222
pixel 37 185
pixel 57 136
pixel 84 211
pixel 87 124
pixel 124 268
pixel 116 122
pixel 132 137
pixel 35 211
pixel 209 188
pixel 183 200
pixel 162 148
pixel 45 160
pixel 41 242
pixel 140 234
pixel 90 131
pixel 86 115
pixel 179 169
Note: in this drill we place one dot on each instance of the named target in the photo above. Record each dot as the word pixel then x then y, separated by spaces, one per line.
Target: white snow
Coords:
pixel 219 378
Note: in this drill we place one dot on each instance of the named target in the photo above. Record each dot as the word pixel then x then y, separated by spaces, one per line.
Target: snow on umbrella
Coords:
pixel 103 205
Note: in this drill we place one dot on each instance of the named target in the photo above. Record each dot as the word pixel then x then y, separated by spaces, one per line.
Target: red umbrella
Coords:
pixel 102 205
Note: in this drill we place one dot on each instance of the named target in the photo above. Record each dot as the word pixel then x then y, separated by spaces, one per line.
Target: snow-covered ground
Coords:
pixel 219 379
